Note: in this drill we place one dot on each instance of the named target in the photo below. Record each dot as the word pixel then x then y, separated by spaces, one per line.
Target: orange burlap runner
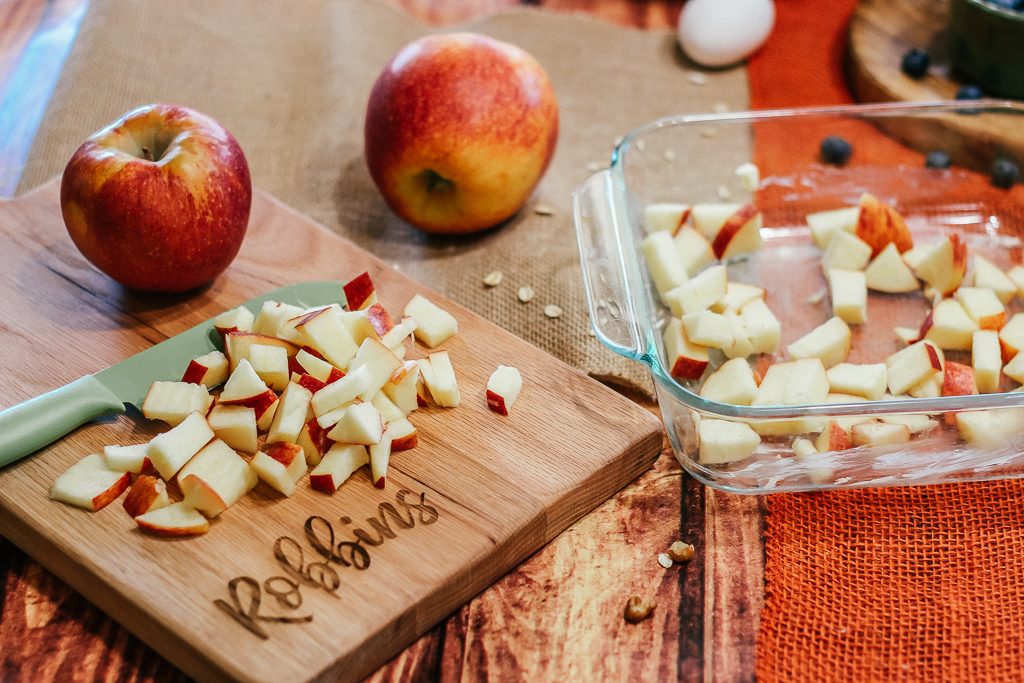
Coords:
pixel 912 584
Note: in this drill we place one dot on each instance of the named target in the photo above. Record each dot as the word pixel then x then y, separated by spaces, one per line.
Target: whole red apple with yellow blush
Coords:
pixel 459 130
pixel 159 199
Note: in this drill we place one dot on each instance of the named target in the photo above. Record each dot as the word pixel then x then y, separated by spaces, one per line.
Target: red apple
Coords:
pixel 159 199
pixel 459 129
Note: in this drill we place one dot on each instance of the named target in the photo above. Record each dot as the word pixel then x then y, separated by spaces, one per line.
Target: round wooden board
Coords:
pixel 881 32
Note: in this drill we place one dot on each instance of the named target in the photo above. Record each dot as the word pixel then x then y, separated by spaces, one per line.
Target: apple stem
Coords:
pixel 147 154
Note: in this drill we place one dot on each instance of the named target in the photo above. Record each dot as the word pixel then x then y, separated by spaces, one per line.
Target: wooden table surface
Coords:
pixel 556 616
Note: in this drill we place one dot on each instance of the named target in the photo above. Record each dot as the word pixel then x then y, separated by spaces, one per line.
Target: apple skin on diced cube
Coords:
pixel 360 292
pixel 503 389
pixel 90 484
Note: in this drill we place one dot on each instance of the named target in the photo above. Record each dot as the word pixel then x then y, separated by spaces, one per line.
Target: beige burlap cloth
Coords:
pixel 291 79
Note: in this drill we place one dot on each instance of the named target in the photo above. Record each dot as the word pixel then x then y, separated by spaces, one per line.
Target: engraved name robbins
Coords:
pixel 331 552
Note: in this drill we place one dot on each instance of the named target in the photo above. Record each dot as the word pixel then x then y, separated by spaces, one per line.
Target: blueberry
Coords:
pixel 937 159
pixel 835 150
pixel 1005 172
pixel 969 92
pixel 915 63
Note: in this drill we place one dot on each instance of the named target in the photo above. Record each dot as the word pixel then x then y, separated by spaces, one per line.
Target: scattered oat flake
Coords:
pixel 720 108
pixel 723 192
pixel 591 332
pixel 525 294
pixel 493 278
pixel 665 561
pixel 552 311
pixel 640 145
pixel 595 166
pixel 696 78
pixel 709 133
pixel 749 175
pixel 543 210
pixel 669 155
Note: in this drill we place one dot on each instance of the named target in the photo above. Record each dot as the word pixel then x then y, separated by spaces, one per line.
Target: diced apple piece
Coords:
pixel 888 272
pixel 799 382
pixel 868 380
pixel 380 320
pixel 733 383
pixel 1015 368
pixel 907 335
pixel 503 389
pixel 126 458
pixel 380 455
pixel 1016 274
pixel 989 276
pixel 771 391
pixel 324 331
pixel 668 217
pixel 958 380
pixel 210 370
pixel 272 317
pixel 741 346
pixel 927 388
pixel 684 359
pixel 983 306
pixel 849 295
pixel 378 362
pixel 337 465
pixel 434 325
pixel 171 450
pixel 916 423
pixel 737 295
pixel 708 329
pixel 336 396
pixel 943 265
pixel 215 479
pixel 317 367
pixel 911 366
pixel 833 438
pixel 762 327
pixel 389 412
pixel 360 424
pixel 90 484
pixel 271 364
pixel 847 252
pixel 281 466
pixel 879 434
pixel 235 426
pixel 987 361
pixel 172 402
pixel 694 250
pixel 803 447
pixel 880 225
pixel 360 292
pixel 403 435
pixel 175 520
pixel 238 344
pixel 949 326
pixel 403 391
pixel 990 428
pixel 733 229
pixel 238 319
pixel 723 442
pixel 698 293
pixel 441 382
pixel 912 257
pixel 314 442
pixel 146 494
pixel 398 334
pixel 291 415
pixel 664 263
pixel 829 341
pixel 1011 337
pixel 825 224
pixel 358 324
pixel 245 388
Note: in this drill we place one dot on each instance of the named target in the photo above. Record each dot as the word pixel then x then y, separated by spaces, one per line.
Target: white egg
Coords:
pixel 723 32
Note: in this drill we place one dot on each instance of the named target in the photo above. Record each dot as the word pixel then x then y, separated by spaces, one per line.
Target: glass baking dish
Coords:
pixel 691 159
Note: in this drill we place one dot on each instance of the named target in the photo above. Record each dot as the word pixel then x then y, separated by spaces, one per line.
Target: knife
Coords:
pixel 38 422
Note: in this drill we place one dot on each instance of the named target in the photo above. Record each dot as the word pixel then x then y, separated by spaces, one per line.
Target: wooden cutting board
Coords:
pixel 479 494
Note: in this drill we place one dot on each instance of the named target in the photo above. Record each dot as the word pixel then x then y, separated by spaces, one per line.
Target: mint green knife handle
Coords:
pixel 28 426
